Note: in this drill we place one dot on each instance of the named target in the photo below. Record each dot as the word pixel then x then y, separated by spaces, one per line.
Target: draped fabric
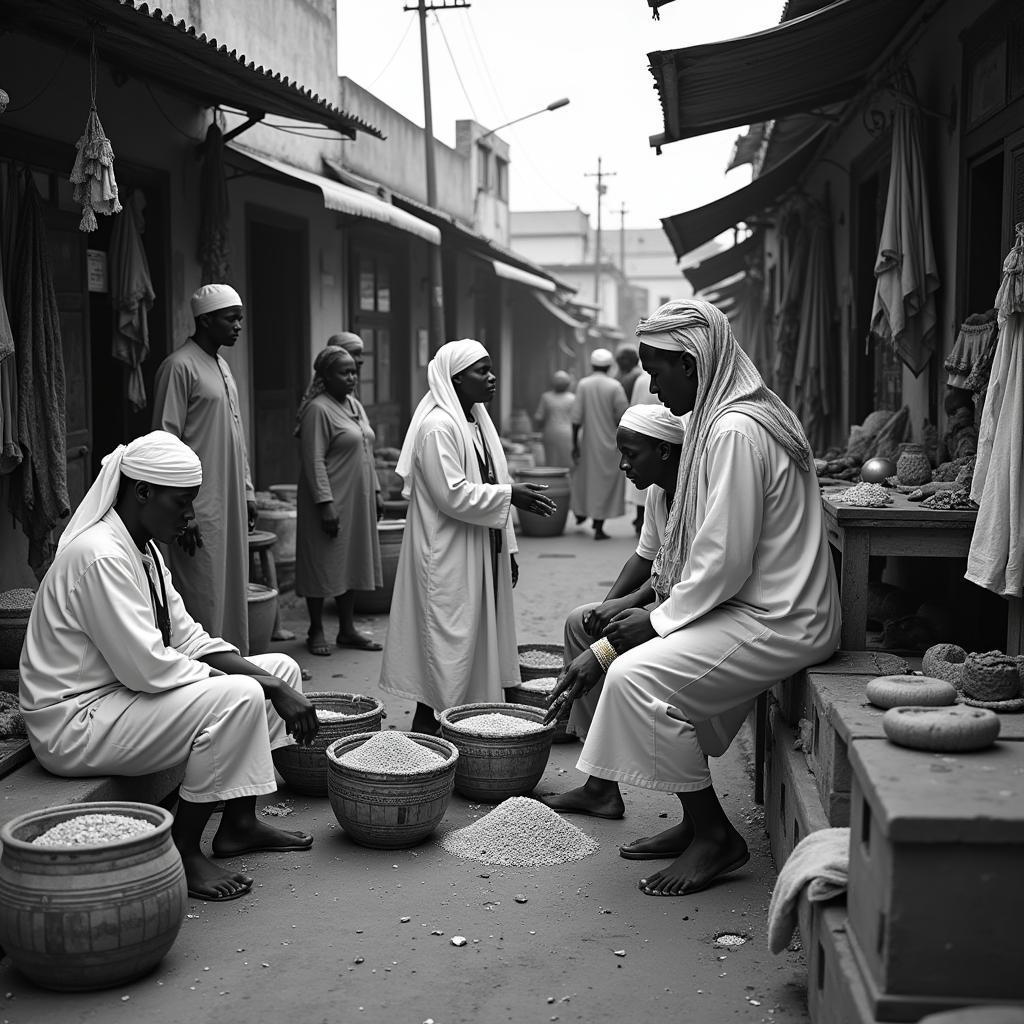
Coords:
pixel 996 558
pixel 39 495
pixel 10 451
pixel 906 273
pixel 132 295
pixel 214 249
pixel 787 325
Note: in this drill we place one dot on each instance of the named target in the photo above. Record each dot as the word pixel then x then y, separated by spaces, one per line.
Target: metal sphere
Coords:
pixel 877 470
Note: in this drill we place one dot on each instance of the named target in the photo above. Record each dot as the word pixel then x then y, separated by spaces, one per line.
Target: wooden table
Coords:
pixel 903 528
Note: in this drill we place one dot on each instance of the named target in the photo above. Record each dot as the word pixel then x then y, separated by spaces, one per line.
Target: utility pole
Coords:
pixel 601 189
pixel 622 211
pixel 436 278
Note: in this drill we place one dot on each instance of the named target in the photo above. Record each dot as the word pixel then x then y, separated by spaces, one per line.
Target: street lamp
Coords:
pixel 555 105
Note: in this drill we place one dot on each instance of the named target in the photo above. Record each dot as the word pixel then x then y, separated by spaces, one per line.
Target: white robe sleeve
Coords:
pixel 188 637
pixel 444 477
pixel 117 616
pixel 722 551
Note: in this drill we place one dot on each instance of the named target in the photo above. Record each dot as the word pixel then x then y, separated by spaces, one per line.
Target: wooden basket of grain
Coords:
pixel 540 661
pixel 305 768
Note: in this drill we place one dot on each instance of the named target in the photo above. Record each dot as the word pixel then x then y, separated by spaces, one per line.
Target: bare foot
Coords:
pixel 258 837
pixel 670 843
pixel 704 861
pixel 584 800
pixel 206 881
pixel 316 644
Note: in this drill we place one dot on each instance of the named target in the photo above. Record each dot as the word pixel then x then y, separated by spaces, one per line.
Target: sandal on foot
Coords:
pixel 713 880
pixel 627 854
pixel 210 897
pixel 321 648
pixel 360 643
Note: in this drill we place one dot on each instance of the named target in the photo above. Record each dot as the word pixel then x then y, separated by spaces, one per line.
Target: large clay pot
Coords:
pixel 74 918
pixel 262 613
pixel 282 522
pixel 557 480
pixel 912 466
pixel 375 602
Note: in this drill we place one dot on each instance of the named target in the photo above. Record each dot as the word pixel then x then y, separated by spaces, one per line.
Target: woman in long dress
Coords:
pixel 554 418
pixel 452 638
pixel 337 551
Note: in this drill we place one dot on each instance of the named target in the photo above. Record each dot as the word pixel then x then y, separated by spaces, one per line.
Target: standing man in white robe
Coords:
pixel 452 633
pixel 600 403
pixel 749 597
pixel 117 678
pixel 196 399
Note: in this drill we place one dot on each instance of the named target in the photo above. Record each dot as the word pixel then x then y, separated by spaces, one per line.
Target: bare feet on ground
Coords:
pixel 670 843
pixel 231 842
pixel 586 801
pixel 207 881
pixel 701 863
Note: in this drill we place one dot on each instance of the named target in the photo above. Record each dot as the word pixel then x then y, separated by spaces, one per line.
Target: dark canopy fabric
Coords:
pixel 794 67
pixel 723 264
pixel 688 230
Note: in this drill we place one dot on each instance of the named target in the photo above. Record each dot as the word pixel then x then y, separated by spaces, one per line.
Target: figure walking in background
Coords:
pixel 600 403
pixel 196 400
pixel 554 420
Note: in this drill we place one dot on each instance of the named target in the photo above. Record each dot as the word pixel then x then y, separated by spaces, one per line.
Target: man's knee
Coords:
pixel 282 666
pixel 576 637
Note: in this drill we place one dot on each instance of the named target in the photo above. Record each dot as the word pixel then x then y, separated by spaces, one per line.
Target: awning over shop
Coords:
pixel 688 230
pixel 799 65
pixel 344 199
pixel 746 147
pixel 141 40
pixel 557 312
pixel 510 273
pixel 722 265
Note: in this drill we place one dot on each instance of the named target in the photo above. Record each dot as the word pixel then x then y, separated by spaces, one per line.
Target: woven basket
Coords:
pixel 305 768
pixel 15 608
pixel 538 699
pixel 531 672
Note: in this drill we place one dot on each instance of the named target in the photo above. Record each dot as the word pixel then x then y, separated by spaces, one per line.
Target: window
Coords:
pixel 501 169
pixel 484 160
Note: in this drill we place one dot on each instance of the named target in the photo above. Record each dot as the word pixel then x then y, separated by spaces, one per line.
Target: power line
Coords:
pixel 380 74
pixel 455 66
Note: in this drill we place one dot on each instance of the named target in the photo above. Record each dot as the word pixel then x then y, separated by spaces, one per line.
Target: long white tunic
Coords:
pixel 449 640
pixel 102 693
pixel 597 486
pixel 196 399
pixel 757 602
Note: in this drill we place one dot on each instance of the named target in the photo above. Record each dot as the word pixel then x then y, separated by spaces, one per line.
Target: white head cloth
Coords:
pixel 727 381
pixel 655 421
pixel 601 357
pixel 449 360
pixel 158 458
pixel 212 297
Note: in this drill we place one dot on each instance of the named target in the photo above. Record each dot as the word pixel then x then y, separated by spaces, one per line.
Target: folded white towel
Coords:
pixel 821 863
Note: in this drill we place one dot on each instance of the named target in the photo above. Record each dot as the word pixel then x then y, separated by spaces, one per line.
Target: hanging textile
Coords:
pixel 813 391
pixel 974 347
pixel 788 321
pixel 996 558
pixel 906 275
pixel 131 292
pixel 214 250
pixel 10 451
pixel 10 203
pixel 93 173
pixel 39 494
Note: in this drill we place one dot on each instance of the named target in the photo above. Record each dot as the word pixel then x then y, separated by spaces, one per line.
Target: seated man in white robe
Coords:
pixel 117 678
pixel 749 597
pixel 649 439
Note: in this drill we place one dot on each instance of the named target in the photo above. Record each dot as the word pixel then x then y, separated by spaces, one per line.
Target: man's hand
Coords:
pixel 578 678
pixel 329 522
pixel 630 629
pixel 190 539
pixel 515 570
pixel 596 620
pixel 297 713
pixel 250 512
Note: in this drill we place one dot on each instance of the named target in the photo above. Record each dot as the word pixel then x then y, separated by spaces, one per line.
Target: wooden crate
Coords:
pixel 792 808
pixel 935 896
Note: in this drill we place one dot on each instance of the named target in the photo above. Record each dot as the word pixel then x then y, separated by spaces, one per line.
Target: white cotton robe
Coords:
pixel 449 641
pixel 597 485
pixel 757 602
pixel 102 694
pixel 196 400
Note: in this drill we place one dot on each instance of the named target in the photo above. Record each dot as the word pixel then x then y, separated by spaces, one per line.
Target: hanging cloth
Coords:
pixel 906 275
pixel 996 558
pixel 214 249
pixel 131 292
pixel 93 173
pixel 10 450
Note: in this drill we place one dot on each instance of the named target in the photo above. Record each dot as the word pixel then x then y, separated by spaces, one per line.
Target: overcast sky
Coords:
pixel 512 57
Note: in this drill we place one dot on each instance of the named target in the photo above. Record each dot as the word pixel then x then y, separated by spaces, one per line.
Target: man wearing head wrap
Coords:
pixel 649 440
pixel 639 394
pixel 749 598
pixel 452 633
pixel 599 405
pixel 117 678
pixel 554 419
pixel 196 400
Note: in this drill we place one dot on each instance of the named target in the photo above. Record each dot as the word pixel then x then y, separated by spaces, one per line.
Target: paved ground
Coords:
pixel 321 938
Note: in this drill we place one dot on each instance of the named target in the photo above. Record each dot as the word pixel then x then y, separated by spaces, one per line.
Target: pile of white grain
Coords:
pixel 520 833
pixel 323 715
pixel 496 724
pixel 90 829
pixel 543 685
pixel 864 494
pixel 391 753
pixel 540 659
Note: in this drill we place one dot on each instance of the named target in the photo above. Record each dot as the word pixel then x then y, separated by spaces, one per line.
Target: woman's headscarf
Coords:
pixel 727 381
pixel 449 360
pixel 325 359
pixel 157 458
pixel 349 341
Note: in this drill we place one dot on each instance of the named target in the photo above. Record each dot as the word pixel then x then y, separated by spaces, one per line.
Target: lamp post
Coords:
pixel 553 105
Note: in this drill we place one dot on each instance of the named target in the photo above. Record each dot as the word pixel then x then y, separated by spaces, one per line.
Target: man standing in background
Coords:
pixel 197 400
pixel 627 358
pixel 600 403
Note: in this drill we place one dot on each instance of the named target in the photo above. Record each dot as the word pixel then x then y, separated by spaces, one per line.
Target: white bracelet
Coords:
pixel 604 652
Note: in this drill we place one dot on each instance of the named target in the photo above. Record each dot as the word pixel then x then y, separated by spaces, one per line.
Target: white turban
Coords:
pixel 601 357
pixel 212 297
pixel 157 458
pixel 653 421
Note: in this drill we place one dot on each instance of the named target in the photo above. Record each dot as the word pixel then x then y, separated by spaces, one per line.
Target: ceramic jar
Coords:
pixel 912 466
